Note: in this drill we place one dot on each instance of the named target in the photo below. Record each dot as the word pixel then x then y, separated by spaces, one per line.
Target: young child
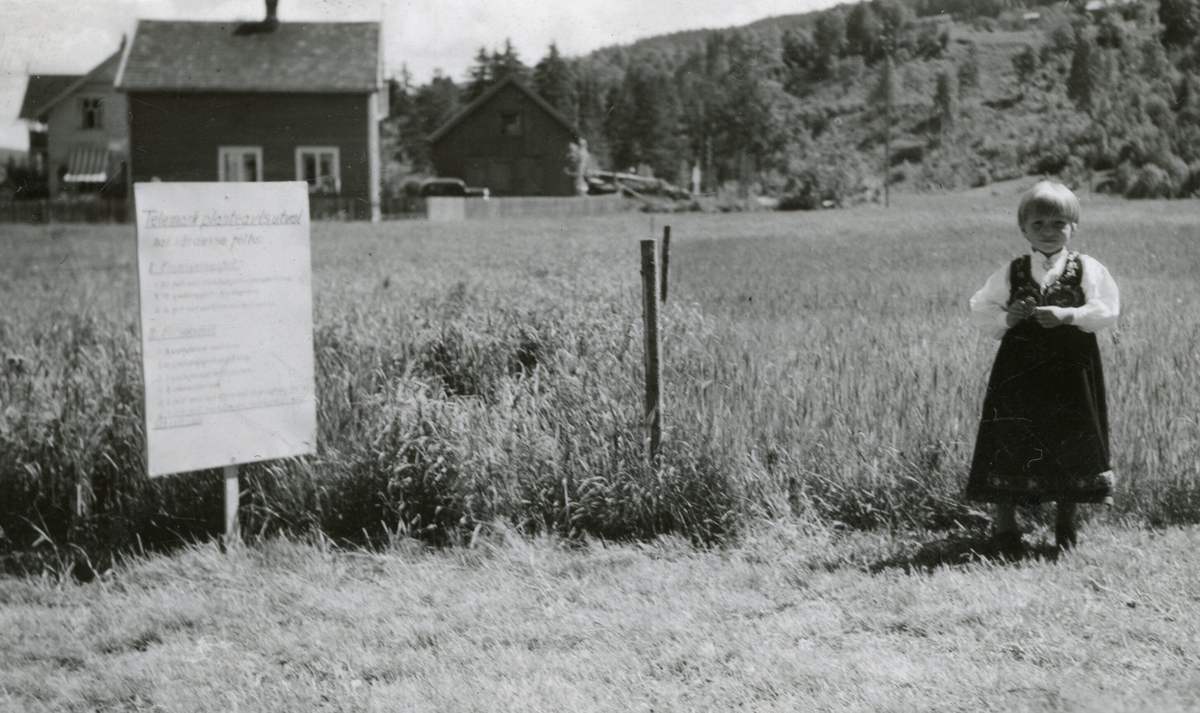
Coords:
pixel 1043 435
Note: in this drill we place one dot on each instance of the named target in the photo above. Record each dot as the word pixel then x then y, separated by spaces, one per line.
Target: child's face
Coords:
pixel 1048 233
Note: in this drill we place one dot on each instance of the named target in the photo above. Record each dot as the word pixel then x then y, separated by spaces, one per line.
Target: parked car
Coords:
pixel 451 187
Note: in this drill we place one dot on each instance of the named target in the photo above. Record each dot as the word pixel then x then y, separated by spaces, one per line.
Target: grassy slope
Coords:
pixel 787 621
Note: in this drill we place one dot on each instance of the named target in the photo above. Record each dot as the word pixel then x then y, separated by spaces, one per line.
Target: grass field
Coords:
pixel 480 384
pixel 818 366
pixel 785 621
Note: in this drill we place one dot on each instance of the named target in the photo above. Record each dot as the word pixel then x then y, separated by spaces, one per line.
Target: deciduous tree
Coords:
pixel 1081 82
pixel 1180 20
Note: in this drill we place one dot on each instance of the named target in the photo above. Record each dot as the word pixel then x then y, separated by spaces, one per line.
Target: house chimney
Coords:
pixel 268 25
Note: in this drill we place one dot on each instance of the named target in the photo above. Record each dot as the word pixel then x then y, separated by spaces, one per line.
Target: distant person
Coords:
pixel 1043 435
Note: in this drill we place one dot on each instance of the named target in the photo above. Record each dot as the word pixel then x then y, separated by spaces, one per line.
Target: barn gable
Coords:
pixel 509 141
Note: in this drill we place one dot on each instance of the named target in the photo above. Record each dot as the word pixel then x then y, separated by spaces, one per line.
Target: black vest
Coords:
pixel 1066 291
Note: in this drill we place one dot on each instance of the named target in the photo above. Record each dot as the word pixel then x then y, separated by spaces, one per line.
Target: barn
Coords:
pixel 509 141
pixel 258 101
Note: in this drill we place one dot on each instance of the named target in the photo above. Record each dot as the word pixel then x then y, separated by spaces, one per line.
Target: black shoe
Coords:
pixel 1008 544
pixel 1065 535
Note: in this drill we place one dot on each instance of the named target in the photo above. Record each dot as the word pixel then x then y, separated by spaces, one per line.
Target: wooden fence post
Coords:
pixel 232 494
pixel 666 259
pixel 650 297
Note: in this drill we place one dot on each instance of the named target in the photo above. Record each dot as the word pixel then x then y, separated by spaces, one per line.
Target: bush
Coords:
pixel 1150 181
pixel 1052 162
pixel 1026 64
pixel 1190 186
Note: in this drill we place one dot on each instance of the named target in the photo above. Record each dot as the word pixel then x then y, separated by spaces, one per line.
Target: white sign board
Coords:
pixel 225 276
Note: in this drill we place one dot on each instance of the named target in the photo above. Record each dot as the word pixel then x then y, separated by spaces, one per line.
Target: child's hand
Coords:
pixel 1019 311
pixel 1050 317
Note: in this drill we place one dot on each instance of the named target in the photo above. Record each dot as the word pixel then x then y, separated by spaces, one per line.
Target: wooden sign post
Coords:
pixel 650 298
pixel 225 285
pixel 233 495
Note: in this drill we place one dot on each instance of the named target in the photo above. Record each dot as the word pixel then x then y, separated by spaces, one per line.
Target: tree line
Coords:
pixel 796 106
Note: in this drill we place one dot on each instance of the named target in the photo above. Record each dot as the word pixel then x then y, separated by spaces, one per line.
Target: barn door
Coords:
pixel 476 173
pixel 500 176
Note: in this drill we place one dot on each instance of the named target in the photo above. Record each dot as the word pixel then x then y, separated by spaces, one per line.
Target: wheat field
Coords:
pixel 818 367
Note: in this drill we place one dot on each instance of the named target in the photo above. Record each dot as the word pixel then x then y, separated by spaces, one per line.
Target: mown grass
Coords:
pixel 818 367
pixel 789 619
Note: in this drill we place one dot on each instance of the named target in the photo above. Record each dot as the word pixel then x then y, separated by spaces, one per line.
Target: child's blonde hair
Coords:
pixel 1048 198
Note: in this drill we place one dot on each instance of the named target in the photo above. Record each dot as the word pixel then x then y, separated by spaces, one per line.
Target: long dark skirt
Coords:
pixel 1044 431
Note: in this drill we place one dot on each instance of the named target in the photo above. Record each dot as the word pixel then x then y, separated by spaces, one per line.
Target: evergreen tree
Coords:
pixel 479 76
pixel 487 70
pixel 507 64
pixel 553 82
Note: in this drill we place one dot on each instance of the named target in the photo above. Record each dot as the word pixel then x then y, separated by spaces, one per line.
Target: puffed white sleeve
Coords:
pixel 987 305
pixel 1102 304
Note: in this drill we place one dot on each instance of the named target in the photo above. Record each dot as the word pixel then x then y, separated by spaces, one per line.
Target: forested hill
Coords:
pixel 802 107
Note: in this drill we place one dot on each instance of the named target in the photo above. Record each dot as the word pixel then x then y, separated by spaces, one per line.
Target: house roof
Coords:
pixel 41 89
pixel 103 73
pixel 211 56
pixel 487 96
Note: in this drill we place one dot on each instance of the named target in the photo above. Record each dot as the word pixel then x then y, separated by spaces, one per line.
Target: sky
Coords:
pixel 72 36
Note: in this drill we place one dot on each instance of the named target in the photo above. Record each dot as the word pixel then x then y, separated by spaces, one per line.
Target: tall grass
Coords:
pixel 818 366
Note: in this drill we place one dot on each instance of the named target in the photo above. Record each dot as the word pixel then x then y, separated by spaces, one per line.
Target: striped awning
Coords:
pixel 87 166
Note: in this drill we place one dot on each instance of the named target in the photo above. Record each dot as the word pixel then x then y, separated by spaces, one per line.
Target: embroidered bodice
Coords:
pixel 1065 291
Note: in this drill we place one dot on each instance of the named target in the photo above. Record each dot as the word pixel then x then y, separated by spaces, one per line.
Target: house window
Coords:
pixel 318 166
pixel 510 124
pixel 92 113
pixel 239 163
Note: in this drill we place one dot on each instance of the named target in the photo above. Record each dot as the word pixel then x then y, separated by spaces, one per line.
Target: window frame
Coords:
pixel 512 119
pixel 302 151
pixel 223 151
pixel 93 108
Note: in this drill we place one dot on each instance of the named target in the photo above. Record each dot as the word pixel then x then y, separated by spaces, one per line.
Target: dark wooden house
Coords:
pixel 509 141
pixel 257 101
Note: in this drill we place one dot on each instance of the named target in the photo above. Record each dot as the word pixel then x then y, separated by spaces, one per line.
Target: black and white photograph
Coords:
pixel 451 355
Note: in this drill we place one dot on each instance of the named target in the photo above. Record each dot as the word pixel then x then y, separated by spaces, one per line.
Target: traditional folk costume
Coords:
pixel 1044 431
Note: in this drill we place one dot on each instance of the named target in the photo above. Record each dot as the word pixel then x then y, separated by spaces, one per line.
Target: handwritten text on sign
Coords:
pixel 225 277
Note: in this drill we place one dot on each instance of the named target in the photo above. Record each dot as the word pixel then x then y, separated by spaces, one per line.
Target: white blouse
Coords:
pixel 1101 308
